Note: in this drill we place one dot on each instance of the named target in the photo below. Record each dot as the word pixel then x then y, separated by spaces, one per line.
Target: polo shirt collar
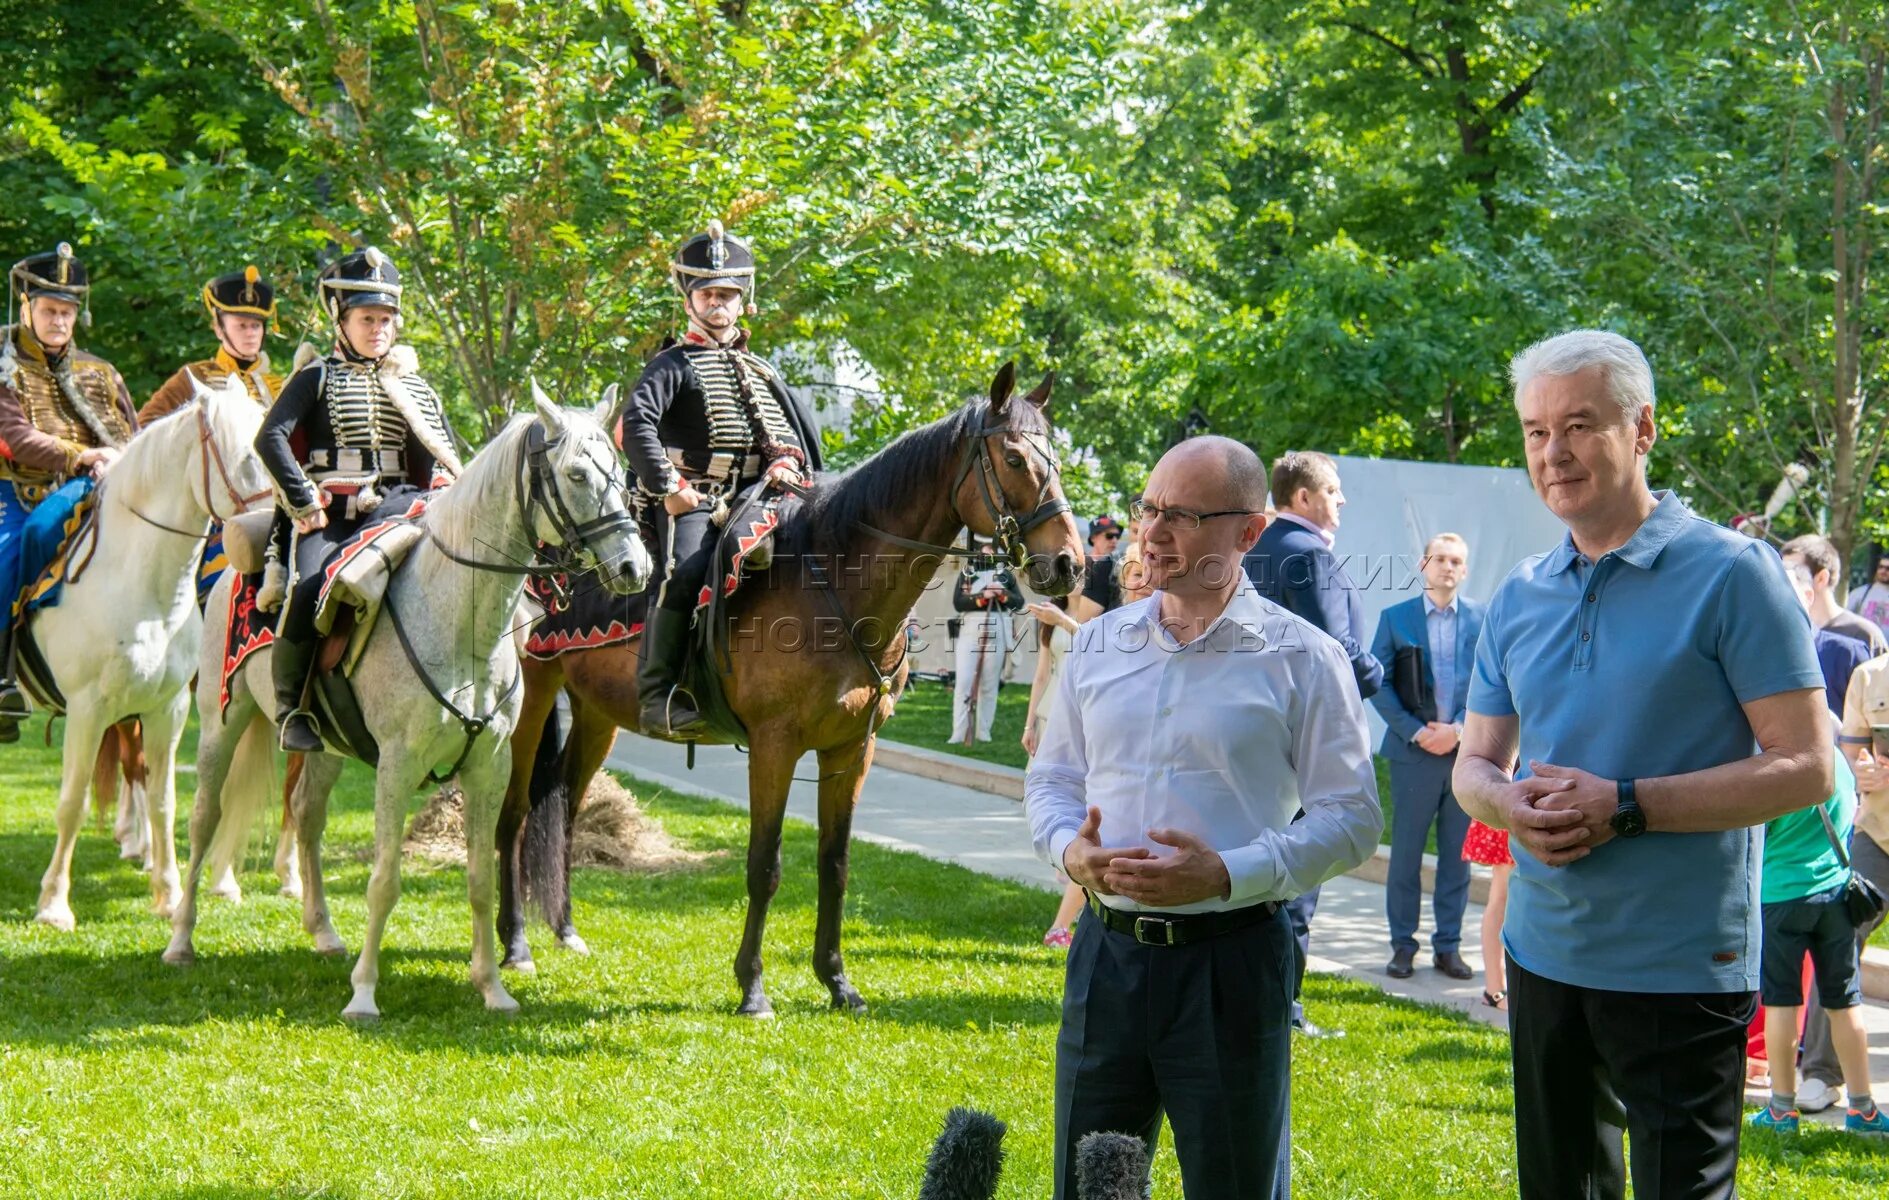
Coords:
pixel 1643 548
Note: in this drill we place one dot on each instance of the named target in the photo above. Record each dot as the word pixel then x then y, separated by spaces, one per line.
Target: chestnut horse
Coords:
pixel 817 646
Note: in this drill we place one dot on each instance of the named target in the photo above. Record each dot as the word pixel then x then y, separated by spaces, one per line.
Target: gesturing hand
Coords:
pixel 1085 860
pixel 1195 871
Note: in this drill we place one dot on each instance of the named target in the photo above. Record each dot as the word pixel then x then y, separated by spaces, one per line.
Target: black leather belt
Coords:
pixel 1181 929
pixel 359 462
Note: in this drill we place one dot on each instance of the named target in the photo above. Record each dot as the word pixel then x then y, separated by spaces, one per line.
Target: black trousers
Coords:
pixel 1670 1068
pixel 1299 911
pixel 1196 1032
pixel 685 560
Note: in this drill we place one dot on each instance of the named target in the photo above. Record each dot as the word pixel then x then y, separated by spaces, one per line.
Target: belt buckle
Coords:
pixel 1162 923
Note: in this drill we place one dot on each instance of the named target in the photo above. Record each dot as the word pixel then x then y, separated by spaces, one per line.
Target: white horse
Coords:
pixel 122 641
pixel 438 678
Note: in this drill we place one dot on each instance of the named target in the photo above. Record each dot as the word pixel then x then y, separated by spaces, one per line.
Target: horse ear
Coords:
pixel 606 406
pixel 549 414
pixel 1002 386
pixel 1040 396
pixel 197 387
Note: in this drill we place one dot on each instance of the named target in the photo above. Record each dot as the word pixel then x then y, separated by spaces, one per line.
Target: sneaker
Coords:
pixel 1814 1095
pixel 1876 1122
pixel 1058 938
pixel 1769 1118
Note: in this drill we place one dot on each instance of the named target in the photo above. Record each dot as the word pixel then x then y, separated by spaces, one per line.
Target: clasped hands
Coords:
pixel 1560 813
pixel 1193 872
pixel 1436 737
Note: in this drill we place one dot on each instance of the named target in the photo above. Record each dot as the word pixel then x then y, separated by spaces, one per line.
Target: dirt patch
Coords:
pixel 613 832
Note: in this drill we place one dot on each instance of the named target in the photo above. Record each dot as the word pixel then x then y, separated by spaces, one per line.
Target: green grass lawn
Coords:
pixel 924 719
pixel 626 1074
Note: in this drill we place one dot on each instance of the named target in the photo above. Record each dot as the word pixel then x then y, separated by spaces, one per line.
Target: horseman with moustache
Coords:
pixel 348 428
pixel 242 310
pixel 64 417
pixel 707 419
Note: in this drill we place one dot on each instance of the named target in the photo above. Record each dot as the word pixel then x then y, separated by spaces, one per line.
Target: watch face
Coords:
pixel 1629 822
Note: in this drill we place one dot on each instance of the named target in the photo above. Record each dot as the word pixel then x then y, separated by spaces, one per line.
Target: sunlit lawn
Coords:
pixel 626 1075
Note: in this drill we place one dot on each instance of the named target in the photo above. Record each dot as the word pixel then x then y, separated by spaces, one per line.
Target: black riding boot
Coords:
pixel 667 712
pixel 290 662
pixel 12 703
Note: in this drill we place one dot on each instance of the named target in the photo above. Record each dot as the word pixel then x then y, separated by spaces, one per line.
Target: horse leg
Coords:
pixel 483 787
pixel 383 888
pixel 540 701
pixel 592 736
pixel 216 747
pixel 770 771
pixel 842 775
pixel 83 730
pixel 135 789
pixel 163 729
pixel 314 782
pixel 288 869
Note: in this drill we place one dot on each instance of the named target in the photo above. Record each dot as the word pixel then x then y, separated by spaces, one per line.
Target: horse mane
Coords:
pixel 891 483
pixel 154 457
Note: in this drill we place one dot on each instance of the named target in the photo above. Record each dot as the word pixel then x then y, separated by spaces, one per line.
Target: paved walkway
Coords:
pixel 988 833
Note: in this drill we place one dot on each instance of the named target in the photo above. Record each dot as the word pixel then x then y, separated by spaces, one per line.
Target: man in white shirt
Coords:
pixel 1217 715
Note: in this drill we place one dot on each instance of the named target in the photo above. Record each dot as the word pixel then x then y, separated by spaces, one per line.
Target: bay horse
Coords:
pixel 851 559
pixel 437 676
pixel 122 640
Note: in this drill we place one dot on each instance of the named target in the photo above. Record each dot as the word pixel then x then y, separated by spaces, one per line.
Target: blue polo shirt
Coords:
pixel 1636 666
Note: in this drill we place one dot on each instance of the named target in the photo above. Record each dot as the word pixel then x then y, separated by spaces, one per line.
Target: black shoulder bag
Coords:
pixel 1862 900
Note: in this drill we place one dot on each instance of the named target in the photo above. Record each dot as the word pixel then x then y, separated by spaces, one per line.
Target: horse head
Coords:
pixel 226 475
pixel 580 497
pixel 1010 488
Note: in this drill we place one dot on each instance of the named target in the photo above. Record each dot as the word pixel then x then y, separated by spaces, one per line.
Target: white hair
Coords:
pixel 1629 378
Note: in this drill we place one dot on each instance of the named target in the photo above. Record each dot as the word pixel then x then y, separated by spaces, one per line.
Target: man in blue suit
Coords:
pixel 1294 567
pixel 1428 644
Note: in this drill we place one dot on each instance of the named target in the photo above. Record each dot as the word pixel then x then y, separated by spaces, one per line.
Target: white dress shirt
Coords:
pixel 1226 737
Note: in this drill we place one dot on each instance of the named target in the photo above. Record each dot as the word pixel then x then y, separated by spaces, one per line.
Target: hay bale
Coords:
pixel 612 832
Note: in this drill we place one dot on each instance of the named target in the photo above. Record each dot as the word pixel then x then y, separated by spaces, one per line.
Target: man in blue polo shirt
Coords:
pixel 1653 676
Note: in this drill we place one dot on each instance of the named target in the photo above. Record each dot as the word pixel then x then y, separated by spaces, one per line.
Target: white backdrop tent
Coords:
pixel 1391 508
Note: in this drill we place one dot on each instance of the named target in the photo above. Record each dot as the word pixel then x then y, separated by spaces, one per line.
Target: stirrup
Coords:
pixel 668 730
pixel 308 723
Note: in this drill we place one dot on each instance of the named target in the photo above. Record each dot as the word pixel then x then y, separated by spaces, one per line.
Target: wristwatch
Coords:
pixel 1628 821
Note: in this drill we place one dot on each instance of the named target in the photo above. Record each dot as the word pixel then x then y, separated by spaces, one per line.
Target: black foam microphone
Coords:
pixel 1111 1166
pixel 966 1159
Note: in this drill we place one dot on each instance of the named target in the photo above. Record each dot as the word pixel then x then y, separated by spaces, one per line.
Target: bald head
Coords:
pixel 1231 471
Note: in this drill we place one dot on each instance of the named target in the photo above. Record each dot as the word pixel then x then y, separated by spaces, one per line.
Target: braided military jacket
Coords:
pixel 706 411
pixel 263 384
pixel 340 417
pixel 54 409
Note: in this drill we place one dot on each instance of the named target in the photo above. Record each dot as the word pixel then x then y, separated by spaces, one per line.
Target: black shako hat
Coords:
pixel 713 259
pixel 358 280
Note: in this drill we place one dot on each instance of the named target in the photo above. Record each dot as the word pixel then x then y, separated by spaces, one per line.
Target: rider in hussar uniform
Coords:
pixel 706 419
pixel 347 428
pixel 64 417
pixel 242 311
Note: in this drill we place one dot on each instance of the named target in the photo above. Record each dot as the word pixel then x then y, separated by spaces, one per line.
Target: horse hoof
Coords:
pixel 498 1000
pixel 228 890
pixel 759 1008
pixel 180 956
pixel 574 942
pixel 128 853
pixel 290 891
pixel 524 966
pixel 59 918
pixel 362 1010
pixel 330 946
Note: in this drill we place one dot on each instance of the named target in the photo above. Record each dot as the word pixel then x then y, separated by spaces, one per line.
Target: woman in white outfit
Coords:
pixel 1056 632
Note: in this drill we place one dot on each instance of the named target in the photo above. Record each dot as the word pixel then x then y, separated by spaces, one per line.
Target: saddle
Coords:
pixel 581 614
pixel 78 544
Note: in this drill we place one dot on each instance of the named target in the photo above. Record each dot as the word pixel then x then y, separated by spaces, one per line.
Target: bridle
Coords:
pixel 1008 527
pixel 209 453
pixel 536 490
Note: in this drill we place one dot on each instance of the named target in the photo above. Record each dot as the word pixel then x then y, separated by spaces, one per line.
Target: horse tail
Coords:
pixel 547 873
pixel 248 789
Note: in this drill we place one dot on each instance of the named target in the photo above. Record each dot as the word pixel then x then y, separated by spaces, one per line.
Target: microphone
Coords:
pixel 966 1159
pixel 1111 1166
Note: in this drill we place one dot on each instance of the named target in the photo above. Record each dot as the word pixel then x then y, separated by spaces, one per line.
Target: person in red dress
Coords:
pixel 1490 848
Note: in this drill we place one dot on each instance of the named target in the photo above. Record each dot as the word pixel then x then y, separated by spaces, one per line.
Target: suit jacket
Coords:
pixel 1408 624
pixel 1292 567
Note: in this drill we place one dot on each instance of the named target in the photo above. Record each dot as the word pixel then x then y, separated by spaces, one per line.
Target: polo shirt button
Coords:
pixel 1586 637
pixel 1590 597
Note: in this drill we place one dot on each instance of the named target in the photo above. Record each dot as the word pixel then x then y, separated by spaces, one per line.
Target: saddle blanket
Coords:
pixel 587 615
pixel 355 576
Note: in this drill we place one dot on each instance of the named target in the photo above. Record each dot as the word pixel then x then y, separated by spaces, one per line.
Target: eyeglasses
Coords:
pixel 1182 518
